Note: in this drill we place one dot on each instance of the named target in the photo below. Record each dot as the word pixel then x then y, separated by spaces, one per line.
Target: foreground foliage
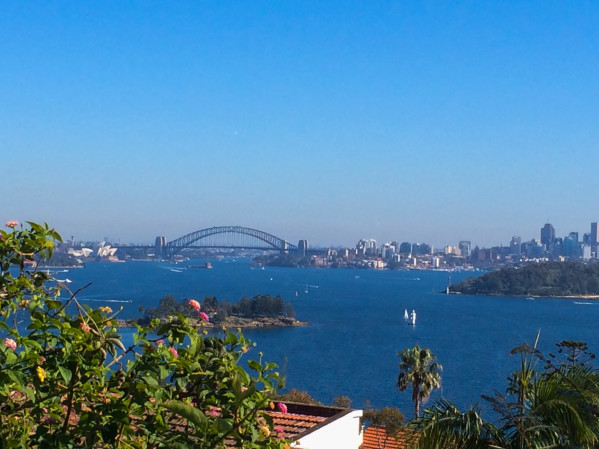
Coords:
pixel 67 379
pixel 552 406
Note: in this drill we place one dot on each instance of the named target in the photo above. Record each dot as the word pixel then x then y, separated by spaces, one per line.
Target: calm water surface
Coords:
pixel 356 323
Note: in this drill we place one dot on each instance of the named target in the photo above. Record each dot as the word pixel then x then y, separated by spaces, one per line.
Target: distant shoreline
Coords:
pixel 590 297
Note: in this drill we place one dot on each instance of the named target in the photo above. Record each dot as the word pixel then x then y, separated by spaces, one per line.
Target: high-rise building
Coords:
pixel 570 246
pixel 387 251
pixel 594 234
pixel 302 247
pixel 516 246
pixel 366 246
pixel 465 247
pixel 547 234
pixel 160 247
pixel 405 248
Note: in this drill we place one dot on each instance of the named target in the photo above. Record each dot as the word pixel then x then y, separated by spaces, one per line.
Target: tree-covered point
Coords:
pixel 258 306
pixel 549 279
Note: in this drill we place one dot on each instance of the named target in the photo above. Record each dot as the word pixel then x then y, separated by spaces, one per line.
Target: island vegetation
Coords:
pixel 259 311
pixel 550 279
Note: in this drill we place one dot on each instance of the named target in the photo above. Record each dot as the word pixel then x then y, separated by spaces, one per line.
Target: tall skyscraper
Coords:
pixel 465 247
pixel 547 234
pixel 516 246
pixel 302 247
pixel 594 234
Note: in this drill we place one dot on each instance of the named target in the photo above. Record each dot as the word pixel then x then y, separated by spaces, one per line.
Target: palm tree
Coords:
pixel 419 370
pixel 443 426
pixel 554 408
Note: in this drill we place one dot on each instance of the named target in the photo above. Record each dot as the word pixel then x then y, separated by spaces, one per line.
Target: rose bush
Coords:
pixel 67 380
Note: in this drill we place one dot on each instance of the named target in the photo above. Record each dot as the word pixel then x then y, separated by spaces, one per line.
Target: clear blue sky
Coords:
pixel 332 121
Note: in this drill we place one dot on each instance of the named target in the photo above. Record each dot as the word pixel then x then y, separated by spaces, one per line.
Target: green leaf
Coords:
pixel 254 365
pixel 191 414
pixel 151 381
pixel 65 373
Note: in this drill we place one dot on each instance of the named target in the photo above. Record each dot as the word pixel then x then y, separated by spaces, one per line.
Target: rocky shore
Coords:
pixel 233 322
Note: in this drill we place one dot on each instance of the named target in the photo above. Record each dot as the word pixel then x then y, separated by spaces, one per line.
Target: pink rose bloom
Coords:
pixel 282 407
pixel 280 432
pixel 83 325
pixel 204 317
pixel 173 352
pixel 160 342
pixel 194 304
pixel 10 343
pixel 214 411
pixel 12 224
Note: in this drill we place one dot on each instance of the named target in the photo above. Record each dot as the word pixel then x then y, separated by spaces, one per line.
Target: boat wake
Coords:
pixel 584 303
pixel 105 300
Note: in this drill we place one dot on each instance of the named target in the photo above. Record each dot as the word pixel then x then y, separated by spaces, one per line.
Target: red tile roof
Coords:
pixel 375 437
pixel 302 419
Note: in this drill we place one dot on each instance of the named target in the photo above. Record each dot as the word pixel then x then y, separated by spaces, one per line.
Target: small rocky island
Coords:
pixel 259 311
pixel 547 280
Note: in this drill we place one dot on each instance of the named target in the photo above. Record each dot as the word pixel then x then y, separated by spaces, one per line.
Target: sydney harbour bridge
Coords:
pixel 227 237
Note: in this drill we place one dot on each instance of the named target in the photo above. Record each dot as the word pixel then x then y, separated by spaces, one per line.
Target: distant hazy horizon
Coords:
pixel 327 121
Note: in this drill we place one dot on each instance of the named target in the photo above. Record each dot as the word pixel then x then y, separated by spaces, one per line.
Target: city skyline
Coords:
pixel 590 238
pixel 328 122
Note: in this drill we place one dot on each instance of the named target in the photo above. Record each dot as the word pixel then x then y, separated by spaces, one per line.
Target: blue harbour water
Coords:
pixel 357 325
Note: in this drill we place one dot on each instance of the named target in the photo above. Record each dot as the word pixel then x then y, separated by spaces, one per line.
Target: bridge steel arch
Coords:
pixel 271 242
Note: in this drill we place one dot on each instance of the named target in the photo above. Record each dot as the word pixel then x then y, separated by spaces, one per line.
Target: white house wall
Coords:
pixel 342 433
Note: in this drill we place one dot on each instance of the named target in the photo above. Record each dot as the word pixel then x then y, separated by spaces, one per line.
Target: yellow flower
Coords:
pixel 265 430
pixel 41 373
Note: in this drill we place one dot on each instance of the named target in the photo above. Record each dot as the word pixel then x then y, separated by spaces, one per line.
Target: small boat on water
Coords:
pixel 410 317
